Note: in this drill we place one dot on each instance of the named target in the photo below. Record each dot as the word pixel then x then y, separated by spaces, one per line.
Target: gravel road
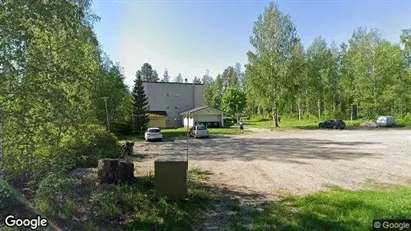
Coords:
pixel 268 164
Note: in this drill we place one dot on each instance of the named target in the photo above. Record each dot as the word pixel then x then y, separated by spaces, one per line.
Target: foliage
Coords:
pixel 50 67
pixel 239 75
pixel 178 78
pixel 147 73
pixel 166 77
pixel 84 147
pixel 208 93
pixel 233 101
pixel 365 78
pixel 197 80
pixel 217 92
pixel 118 101
pixel 230 79
pixel 78 203
pixel 274 36
pixel 140 107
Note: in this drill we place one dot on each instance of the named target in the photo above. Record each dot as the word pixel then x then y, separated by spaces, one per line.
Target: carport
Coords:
pixel 208 116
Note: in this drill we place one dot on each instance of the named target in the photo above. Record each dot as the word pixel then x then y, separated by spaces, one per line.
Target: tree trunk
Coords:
pixel 113 171
pixel 299 110
pixel 351 111
pixel 307 104
pixel 319 109
pixel 107 171
pixel 276 116
pixel 125 172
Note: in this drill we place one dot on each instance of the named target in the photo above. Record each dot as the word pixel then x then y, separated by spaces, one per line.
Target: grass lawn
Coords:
pixel 335 210
pixel 296 124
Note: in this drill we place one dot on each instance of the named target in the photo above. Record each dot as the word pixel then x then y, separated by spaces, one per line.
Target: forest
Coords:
pixel 54 75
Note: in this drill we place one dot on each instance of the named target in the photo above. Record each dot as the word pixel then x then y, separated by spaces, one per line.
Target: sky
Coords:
pixel 190 36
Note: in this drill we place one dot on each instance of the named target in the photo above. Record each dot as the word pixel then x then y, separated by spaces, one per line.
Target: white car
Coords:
pixel 153 134
pixel 385 121
pixel 199 131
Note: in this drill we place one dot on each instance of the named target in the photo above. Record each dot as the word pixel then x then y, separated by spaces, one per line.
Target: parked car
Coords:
pixel 153 134
pixel 385 121
pixel 199 131
pixel 335 124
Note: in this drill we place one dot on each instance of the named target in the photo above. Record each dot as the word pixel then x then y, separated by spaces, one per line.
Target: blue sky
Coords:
pixel 189 37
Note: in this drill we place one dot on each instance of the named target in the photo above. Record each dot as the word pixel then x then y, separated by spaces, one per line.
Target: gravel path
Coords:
pixel 299 162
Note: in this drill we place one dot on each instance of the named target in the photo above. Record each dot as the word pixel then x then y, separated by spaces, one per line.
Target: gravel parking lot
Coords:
pixel 298 162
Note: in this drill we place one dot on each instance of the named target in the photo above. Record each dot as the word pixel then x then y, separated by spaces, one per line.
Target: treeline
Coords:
pixel 364 78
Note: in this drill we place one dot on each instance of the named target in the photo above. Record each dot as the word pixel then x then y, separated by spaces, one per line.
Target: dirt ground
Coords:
pixel 269 164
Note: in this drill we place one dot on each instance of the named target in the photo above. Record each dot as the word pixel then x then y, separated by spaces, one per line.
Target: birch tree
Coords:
pixel 273 39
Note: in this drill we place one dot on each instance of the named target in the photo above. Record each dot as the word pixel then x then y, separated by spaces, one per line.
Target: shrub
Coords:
pixel 122 128
pixel 229 121
pixel 258 118
pixel 83 147
pixel 52 196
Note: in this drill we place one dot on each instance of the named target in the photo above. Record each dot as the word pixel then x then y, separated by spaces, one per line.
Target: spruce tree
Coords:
pixel 140 107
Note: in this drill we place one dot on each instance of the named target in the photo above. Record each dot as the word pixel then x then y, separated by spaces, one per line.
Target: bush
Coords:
pixel 84 147
pixel 229 121
pixel 52 196
pixel 406 118
pixel 122 128
pixel 258 118
pixel 310 117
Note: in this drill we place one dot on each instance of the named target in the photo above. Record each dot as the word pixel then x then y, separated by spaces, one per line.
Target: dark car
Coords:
pixel 335 124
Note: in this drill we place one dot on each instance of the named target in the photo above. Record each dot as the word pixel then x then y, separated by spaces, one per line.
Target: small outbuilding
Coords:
pixel 208 116
pixel 158 119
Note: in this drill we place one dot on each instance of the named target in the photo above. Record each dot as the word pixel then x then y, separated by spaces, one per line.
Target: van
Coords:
pixel 385 121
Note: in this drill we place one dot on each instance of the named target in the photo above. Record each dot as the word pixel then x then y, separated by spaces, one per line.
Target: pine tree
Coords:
pixel 140 107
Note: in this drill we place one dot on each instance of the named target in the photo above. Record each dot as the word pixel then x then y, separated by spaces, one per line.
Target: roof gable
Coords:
pixel 198 110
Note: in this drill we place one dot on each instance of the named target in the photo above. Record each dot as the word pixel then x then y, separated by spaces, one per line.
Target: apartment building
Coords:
pixel 168 100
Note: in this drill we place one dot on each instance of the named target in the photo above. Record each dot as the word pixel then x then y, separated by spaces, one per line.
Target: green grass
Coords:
pixel 335 210
pixel 296 124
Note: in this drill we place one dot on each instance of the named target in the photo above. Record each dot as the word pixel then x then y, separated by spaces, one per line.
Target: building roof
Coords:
pixel 159 113
pixel 197 109
pixel 174 83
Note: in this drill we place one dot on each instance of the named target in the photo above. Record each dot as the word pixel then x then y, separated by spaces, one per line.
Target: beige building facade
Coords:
pixel 172 99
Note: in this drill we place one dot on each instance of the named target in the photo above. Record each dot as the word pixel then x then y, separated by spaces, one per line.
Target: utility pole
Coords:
pixel 105 103
pixel 188 132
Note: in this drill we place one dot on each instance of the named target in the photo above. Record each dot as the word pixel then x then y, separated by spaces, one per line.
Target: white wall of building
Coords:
pixel 190 122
